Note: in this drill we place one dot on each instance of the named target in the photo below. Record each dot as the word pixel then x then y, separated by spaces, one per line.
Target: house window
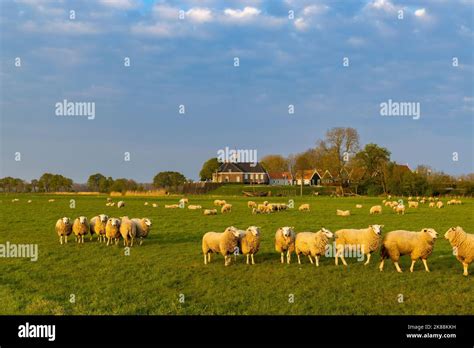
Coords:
pixel 226 179
pixel 261 176
pixel 246 176
pixel 238 178
pixel 251 176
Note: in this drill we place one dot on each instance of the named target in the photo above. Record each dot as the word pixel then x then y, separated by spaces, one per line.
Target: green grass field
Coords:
pixel 156 275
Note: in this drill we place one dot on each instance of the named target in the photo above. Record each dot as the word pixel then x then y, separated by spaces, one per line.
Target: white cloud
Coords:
pixel 156 29
pixel 421 12
pixel 314 10
pixel 356 41
pixel 165 11
pixel 301 24
pixel 245 14
pixel 383 5
pixel 120 4
pixel 58 27
pixel 199 15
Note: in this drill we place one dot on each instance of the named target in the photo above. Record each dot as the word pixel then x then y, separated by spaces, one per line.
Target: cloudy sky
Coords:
pixel 183 52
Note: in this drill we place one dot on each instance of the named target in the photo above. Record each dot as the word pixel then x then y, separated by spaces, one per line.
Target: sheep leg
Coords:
pixel 61 240
pixel 141 240
pixel 131 243
pixel 412 265
pixel 253 261
pixel 310 259
pixel 465 266
pixel 343 259
pixel 205 259
pixel 368 259
pixel 282 258
pixel 65 239
pixel 317 260
pixel 108 241
pixel 399 270
pixel 381 265
pixel 299 261
pixel 426 265
pixel 82 239
pixel 209 257
pixel 248 255
pixel 288 257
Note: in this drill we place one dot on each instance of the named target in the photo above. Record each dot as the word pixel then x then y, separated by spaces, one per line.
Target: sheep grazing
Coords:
pixel 285 242
pixel 171 206
pixel 194 207
pixel 400 209
pixel 463 246
pixel 358 206
pixel 128 231
pixel 146 203
pixel 51 200
pixel 251 204
pixel 29 201
pixel 226 208
pixel 109 199
pixel 439 204
pixel 261 209
pixel 120 204
pixel 63 229
pixel 80 228
pixel 312 244
pixel 154 205
pixel 432 204
pixel 143 227
pixel 410 198
pixel 416 244
pixel 343 212
pixel 304 207
pixel 249 242
pixel 210 211
pixel 15 200
pixel 97 226
pixel 376 209
pixel 112 204
pixel 412 204
pixel 112 230
pixel 388 204
pixel 183 201
pixel 224 243
pixel 368 239
pixel 219 202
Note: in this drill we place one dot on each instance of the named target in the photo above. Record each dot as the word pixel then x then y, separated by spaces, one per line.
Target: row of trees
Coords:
pixel 46 183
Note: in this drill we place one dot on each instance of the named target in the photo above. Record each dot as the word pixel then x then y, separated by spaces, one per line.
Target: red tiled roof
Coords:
pixel 280 175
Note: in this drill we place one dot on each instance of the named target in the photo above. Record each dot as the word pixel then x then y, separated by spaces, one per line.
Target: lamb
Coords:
pixel 285 242
pixel 112 230
pixel 249 242
pixel 171 206
pixel 143 227
pixel 251 204
pixel 194 207
pixel 343 212
pixel 226 208
pixel 63 229
pixel 439 204
pixel 463 246
pixel 416 244
pixel 400 209
pixel 367 238
pixel 312 244
pixel 120 204
pixel 219 202
pixel 304 207
pixel 128 231
pixel 358 206
pixel 376 209
pixel 210 211
pixel 80 228
pixel 224 243
pixel 97 226
pixel 412 204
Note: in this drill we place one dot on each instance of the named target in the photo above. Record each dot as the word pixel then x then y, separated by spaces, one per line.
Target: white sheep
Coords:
pixel 358 206
pixel 304 207
pixel 183 201
pixel 97 226
pixel 63 229
pixel 29 201
pixel 463 246
pixel 120 204
pixel 285 242
pixel 219 202
pixel 51 200
pixel 432 204
pixel 249 242
pixel 376 209
pixel 251 204
pixel 154 205
pixel 312 244
pixel 146 203
pixel 343 212
pixel 226 208
pixel 225 243
pixel 80 228
pixel 416 244
pixel 194 207
pixel 112 230
pixel 400 209
pixel 171 206
pixel 412 204
pixel 128 231
pixel 368 239
pixel 210 211
pixel 142 227
pixel 439 204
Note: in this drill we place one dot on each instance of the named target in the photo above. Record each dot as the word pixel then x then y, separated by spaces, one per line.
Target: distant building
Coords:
pixel 240 172
pixel 280 178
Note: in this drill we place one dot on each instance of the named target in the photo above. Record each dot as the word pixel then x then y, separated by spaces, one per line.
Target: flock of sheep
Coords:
pixel 419 245
pixel 104 228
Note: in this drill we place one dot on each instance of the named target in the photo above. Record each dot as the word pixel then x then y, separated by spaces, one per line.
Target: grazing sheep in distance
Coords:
pixel 463 246
pixel 80 228
pixel 358 206
pixel 109 199
pixel 285 242
pixel 51 200
pixel 63 229
pixel 249 242
pixel 154 205
pixel 183 201
pixel 210 211
pixel 143 227
pixel 219 202
pixel 226 208
pixel 97 226
pixel 343 212
pixel 251 204
pixel 416 244
pixel 439 205
pixel 412 204
pixel 112 230
pixel 120 204
pixel 146 203
pixel 376 209
pixel 304 207
pixel 312 244
pixel 29 201
pixel 432 204
pixel 224 243
pixel 400 209
pixel 194 207
pixel 367 238
pixel 171 206
pixel 128 231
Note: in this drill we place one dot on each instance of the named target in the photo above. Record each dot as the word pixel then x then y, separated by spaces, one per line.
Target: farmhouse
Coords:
pixel 280 178
pixel 241 172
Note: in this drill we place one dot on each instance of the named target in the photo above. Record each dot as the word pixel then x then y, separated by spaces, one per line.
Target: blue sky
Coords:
pixel 190 61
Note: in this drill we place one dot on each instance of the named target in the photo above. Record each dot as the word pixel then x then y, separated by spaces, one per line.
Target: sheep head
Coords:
pixel 65 220
pixel 431 232
pixel 103 218
pixel 254 230
pixel 233 230
pixel 327 233
pixel 147 222
pixel 452 232
pixel 83 220
pixel 377 229
pixel 114 222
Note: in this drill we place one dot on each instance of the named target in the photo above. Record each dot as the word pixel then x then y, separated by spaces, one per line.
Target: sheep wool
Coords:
pixel 226 208
pixel 304 207
pixel 63 229
pixel 343 212
pixel 250 242
pixel 376 209
pixel 112 230
pixel 416 244
pixel 97 226
pixel 368 239
pixel 80 228
pixel 463 246
pixel 210 211
pixel 128 231
pixel 312 244
pixel 285 242
pixel 142 227
pixel 225 243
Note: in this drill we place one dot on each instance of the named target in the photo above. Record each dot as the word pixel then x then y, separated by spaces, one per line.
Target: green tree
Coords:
pixel 168 179
pixel 275 163
pixel 374 160
pixel 208 168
